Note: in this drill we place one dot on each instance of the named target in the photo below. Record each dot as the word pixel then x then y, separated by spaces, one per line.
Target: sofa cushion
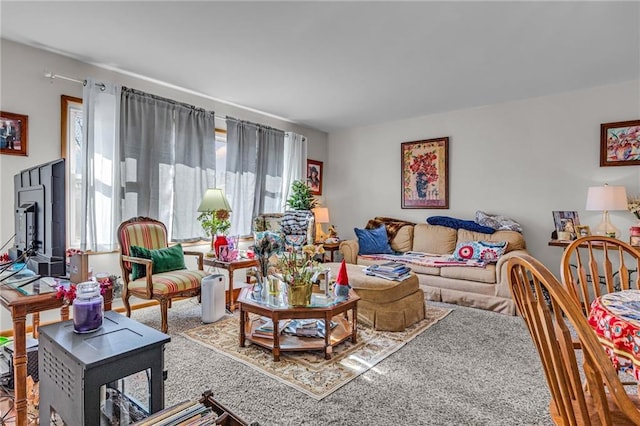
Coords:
pixel 454 223
pixel 515 239
pixel 497 222
pixel 484 275
pixel 434 239
pixel 479 250
pixel 373 241
pixel 403 240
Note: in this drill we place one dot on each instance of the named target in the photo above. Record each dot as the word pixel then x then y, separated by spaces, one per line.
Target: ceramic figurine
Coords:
pixel 341 287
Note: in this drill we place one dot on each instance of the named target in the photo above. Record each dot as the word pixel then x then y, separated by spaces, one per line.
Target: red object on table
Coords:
pixel 615 317
pixel 220 241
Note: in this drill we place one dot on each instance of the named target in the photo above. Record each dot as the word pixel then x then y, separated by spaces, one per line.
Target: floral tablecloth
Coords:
pixel 616 319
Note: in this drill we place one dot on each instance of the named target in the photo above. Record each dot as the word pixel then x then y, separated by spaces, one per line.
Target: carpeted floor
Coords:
pixel 309 371
pixel 473 367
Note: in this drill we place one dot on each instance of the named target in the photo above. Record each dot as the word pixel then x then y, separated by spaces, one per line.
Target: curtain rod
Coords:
pixel 53 76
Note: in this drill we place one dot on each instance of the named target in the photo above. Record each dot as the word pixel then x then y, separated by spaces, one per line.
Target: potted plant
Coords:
pixel 216 224
pixel 301 197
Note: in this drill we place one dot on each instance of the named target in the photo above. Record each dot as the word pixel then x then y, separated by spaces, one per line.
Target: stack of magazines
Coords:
pixel 390 270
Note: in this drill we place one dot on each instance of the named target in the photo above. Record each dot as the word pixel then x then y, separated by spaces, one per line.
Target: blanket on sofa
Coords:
pixel 426 259
pixel 392 225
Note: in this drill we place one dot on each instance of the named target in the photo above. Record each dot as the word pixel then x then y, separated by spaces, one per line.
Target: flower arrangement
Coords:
pixel 298 266
pixel 633 204
pixel 267 243
pixel 215 222
pixel 68 293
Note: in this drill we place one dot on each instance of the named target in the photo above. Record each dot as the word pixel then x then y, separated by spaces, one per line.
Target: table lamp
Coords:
pixel 321 216
pixel 606 198
pixel 213 200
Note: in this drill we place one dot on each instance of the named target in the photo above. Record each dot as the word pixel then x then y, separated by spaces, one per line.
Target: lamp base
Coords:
pixel 606 228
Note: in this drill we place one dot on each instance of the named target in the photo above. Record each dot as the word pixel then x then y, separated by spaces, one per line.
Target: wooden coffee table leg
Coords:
pixel 354 323
pixel 276 338
pixel 244 317
pixel 327 336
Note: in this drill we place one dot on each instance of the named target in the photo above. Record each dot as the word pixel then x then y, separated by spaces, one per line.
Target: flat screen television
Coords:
pixel 40 218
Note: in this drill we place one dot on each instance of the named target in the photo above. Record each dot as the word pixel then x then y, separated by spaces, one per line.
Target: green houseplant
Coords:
pixel 301 197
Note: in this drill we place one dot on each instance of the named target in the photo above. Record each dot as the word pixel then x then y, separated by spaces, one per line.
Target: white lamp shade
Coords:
pixel 214 199
pixel 601 198
pixel 321 214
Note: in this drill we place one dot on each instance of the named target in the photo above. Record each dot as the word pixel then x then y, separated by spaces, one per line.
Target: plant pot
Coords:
pixel 299 295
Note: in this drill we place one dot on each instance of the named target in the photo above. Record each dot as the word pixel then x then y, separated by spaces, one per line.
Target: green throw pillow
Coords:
pixel 164 260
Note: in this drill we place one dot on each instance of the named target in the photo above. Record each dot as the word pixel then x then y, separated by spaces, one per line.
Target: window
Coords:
pixel 71 141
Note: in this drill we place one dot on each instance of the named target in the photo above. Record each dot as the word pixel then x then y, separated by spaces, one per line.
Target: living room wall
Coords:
pixel 521 159
pixel 25 90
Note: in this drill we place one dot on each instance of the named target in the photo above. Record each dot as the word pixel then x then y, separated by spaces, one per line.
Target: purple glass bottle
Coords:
pixel 88 307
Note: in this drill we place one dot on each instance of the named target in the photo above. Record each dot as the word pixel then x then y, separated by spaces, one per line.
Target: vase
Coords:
pixel 220 241
pixel 299 295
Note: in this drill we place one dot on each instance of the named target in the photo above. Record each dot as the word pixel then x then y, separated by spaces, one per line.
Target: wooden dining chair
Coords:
pixel 151 269
pixel 596 265
pixel 606 401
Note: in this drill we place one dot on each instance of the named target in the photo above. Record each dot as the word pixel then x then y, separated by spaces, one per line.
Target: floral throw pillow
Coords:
pixel 486 251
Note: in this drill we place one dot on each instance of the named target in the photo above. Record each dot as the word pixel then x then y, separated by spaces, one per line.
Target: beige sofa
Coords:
pixel 485 288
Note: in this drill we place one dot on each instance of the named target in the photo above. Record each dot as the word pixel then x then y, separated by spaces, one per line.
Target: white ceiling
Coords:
pixel 333 65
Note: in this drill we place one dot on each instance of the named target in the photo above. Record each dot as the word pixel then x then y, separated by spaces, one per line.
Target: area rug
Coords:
pixel 309 372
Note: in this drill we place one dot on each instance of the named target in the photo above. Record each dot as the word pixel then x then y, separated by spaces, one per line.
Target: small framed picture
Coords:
pixel 314 176
pixel 634 240
pixel 582 231
pixel 224 253
pixel 13 133
pixel 566 221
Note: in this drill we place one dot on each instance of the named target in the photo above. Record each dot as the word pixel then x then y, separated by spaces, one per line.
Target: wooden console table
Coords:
pixel 20 305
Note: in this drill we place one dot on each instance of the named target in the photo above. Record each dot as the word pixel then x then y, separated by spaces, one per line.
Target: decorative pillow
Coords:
pixel 480 250
pixel 497 222
pixel 164 260
pixel 459 223
pixel 373 241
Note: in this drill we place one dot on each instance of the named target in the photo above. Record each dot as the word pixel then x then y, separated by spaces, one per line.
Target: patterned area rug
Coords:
pixel 309 372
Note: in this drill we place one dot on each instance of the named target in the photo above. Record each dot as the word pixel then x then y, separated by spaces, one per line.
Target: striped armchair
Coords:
pixel 163 287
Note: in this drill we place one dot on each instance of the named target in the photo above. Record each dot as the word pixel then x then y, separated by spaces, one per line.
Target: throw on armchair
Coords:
pixel 151 269
pixel 297 226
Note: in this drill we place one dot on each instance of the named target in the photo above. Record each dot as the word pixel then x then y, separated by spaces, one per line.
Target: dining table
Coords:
pixel 615 317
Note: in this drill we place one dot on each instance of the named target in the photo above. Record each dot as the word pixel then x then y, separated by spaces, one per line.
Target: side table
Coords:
pixel 230 300
pixel 77 370
pixel 331 248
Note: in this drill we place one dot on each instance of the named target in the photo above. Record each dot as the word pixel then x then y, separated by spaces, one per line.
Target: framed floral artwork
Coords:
pixel 13 133
pixel 425 174
pixel 620 143
pixel 314 176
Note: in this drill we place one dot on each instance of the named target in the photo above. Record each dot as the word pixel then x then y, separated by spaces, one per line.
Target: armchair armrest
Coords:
pixel 199 255
pixel 148 264
pixel 349 250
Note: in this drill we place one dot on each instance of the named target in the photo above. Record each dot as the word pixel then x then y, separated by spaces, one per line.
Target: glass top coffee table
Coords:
pixel 337 328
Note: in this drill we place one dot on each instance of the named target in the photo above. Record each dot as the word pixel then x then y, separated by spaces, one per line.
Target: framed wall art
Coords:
pixel 314 176
pixel 620 143
pixel 13 133
pixel 425 174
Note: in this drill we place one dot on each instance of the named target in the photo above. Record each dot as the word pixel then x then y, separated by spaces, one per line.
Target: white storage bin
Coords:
pixel 212 289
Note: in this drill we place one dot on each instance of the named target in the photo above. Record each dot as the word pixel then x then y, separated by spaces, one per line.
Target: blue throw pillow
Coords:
pixel 373 241
pixel 454 223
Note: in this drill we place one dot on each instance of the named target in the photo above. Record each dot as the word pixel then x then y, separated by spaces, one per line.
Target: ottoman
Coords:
pixel 384 304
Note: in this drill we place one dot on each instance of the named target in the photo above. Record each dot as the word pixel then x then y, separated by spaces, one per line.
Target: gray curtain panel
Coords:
pixel 168 152
pixel 268 196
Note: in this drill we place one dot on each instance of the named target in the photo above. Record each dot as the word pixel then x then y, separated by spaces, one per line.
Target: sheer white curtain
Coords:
pixel 100 209
pixel 295 163
pixel 268 196
pixel 240 180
